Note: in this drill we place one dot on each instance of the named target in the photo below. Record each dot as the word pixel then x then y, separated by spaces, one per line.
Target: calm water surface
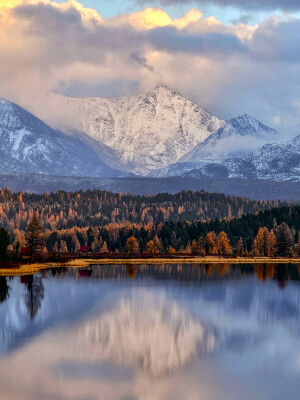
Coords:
pixel 178 332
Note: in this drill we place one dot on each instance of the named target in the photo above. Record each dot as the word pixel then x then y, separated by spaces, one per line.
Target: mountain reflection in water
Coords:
pixel 152 332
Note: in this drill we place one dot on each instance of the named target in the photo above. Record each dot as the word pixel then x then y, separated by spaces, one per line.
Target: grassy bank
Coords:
pixel 28 269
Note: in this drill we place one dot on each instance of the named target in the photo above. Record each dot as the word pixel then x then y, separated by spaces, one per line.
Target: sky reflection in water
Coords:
pixel 151 332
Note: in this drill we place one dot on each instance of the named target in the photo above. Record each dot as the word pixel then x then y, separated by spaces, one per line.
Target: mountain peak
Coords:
pixel 164 90
pixel 246 124
pixel 244 117
pixel 163 86
pixel 150 130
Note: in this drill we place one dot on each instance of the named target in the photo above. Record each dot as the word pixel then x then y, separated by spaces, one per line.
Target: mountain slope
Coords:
pixel 277 162
pixel 233 139
pixel 29 145
pixel 106 154
pixel 148 131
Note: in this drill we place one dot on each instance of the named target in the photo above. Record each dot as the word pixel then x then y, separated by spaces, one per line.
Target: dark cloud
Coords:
pixel 47 18
pixel 170 39
pixel 277 41
pixel 69 38
pixel 141 60
pixel 288 5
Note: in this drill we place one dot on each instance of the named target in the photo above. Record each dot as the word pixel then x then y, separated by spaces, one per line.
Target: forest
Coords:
pixel 94 208
pixel 196 223
pixel 260 234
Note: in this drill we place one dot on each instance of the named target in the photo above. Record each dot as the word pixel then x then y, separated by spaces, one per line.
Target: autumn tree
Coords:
pixel 104 248
pixel 195 247
pixel 224 247
pixel 171 250
pixel 63 247
pixel 19 238
pixel 4 243
pixel 211 243
pixel 34 236
pixel 272 244
pixel 157 243
pixel 260 245
pixel 132 245
pixel 151 247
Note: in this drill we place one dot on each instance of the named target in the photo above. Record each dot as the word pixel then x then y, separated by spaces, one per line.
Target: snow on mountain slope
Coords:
pixel 236 138
pixel 148 131
pixel 29 145
pixel 106 154
pixel 276 161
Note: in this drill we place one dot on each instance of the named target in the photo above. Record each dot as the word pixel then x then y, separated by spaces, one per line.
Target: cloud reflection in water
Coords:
pixel 149 333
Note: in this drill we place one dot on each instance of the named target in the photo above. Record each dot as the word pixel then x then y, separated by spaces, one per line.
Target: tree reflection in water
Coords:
pixel 4 289
pixel 131 270
pixel 35 294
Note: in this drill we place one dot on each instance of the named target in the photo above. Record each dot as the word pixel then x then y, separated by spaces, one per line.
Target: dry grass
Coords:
pixel 29 269
pixel 192 260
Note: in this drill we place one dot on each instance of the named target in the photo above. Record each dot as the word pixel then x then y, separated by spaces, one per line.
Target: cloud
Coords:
pixel 48 47
pixel 169 39
pixel 289 5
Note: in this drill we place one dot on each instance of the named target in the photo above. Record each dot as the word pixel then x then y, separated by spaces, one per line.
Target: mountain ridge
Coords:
pixel 29 145
pixel 229 140
pixel 277 162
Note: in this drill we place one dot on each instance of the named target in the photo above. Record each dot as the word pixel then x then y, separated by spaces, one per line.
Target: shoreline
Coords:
pixel 29 269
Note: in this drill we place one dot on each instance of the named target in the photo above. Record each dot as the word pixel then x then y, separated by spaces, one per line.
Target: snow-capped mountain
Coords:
pixel 29 145
pixel 158 133
pixel 148 131
pixel 237 138
pixel 276 161
pixel 233 139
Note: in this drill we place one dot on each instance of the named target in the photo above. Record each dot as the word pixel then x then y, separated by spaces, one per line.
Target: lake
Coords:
pixel 151 332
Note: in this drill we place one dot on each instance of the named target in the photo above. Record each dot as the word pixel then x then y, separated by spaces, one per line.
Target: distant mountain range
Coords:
pixel 231 140
pixel 277 162
pixel 156 134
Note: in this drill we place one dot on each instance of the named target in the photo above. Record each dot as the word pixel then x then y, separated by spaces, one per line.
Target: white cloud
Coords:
pixel 229 69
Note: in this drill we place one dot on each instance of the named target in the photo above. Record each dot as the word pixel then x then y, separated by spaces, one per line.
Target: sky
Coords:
pixel 230 56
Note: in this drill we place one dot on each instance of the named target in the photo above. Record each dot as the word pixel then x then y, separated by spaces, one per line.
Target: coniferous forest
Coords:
pixel 94 208
pixel 197 223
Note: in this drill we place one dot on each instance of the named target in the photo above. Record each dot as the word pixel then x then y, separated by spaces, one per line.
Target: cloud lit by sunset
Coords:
pixel 57 45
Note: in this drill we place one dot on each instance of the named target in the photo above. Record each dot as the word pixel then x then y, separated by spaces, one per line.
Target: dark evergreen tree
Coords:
pixel 35 238
pixel 285 240
pixel 4 243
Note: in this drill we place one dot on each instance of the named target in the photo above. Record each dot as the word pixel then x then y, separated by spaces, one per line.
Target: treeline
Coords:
pixel 94 208
pixel 269 233
pixel 259 234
